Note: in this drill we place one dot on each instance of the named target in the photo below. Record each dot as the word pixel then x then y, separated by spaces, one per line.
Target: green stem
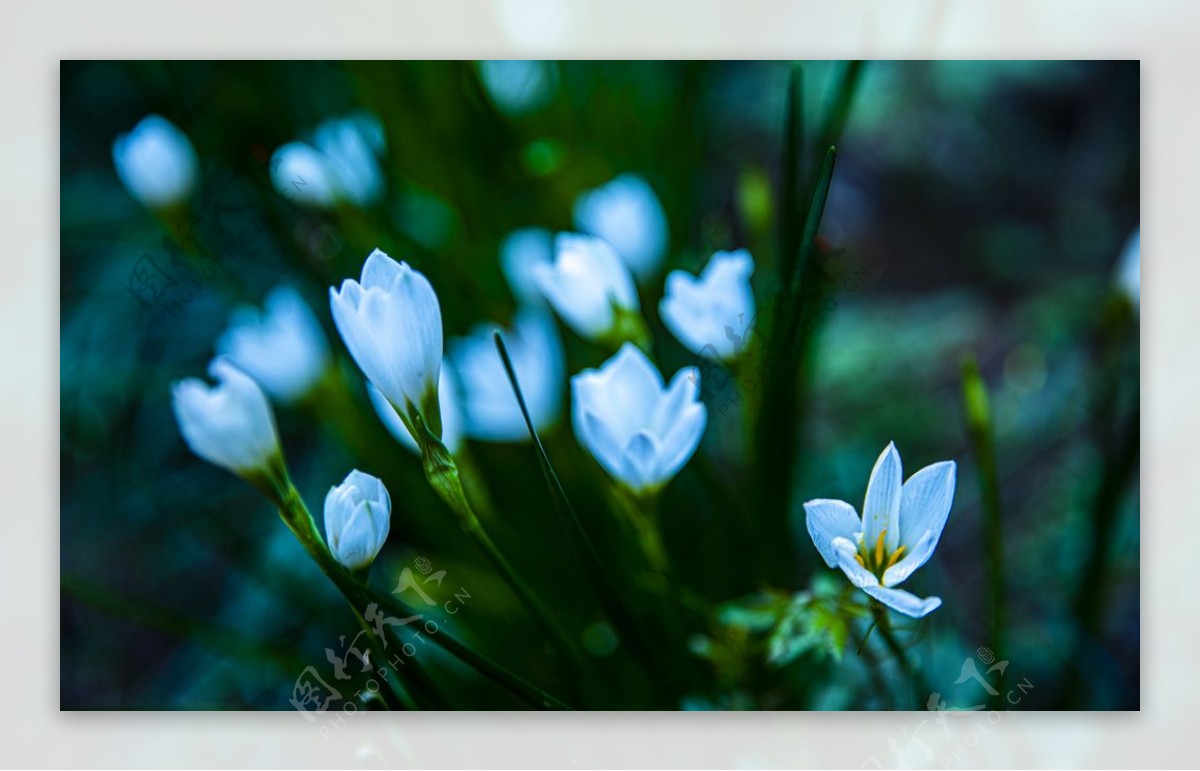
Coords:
pixel 883 626
pixel 979 429
pixel 444 477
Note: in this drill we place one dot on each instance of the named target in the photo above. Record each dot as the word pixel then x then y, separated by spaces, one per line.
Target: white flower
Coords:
pixel 392 324
pixel 229 424
pixel 358 515
pixel 452 430
pixel 282 347
pixel 588 285
pixel 490 407
pixel 626 213
pixel 301 174
pixel 156 162
pixel 897 534
pixel 520 251
pixel 1129 269
pixel 711 314
pixel 518 86
pixel 341 164
pixel 640 431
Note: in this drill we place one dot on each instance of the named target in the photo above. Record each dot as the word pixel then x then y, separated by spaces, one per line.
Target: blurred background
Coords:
pixel 978 209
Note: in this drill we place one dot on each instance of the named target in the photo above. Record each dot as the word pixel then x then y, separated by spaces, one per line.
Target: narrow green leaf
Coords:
pixel 789 196
pixel 979 430
pixel 839 110
pixel 581 543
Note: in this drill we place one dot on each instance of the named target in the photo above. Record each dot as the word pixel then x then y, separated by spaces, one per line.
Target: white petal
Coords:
pixel 881 508
pixel 828 519
pixel 680 443
pixel 599 439
pixel 918 554
pixel 623 392
pixel 380 270
pixel 925 502
pixel 905 602
pixel 391 419
pixel 639 462
pixel 844 549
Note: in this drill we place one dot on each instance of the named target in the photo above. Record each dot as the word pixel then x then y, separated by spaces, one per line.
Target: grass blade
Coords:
pixel 581 543
pixel 983 446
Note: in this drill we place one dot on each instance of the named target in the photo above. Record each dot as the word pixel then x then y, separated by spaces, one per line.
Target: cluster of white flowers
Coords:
pixel 640 429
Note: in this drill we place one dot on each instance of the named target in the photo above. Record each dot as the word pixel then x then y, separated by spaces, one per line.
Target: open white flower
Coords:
pixel 711 314
pixel 282 346
pixel 490 407
pixel 451 411
pixel 156 162
pixel 229 424
pixel 640 431
pixel 358 515
pixel 391 322
pixel 588 285
pixel 899 529
pixel 341 164
pixel 626 213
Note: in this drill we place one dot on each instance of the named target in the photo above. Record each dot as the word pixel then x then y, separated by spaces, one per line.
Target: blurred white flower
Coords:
pixel 641 432
pixel 626 213
pixel 452 429
pixel 358 515
pixel 518 86
pixel 156 162
pixel 1129 269
pixel 282 346
pixel 230 424
pixel 588 285
pixel 341 164
pixel 899 529
pixel 490 407
pixel 302 175
pixel 711 314
pixel 392 324
pixel 520 251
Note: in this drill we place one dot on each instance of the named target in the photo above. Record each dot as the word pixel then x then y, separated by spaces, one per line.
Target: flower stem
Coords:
pixel 443 475
pixel 979 429
pixel 883 626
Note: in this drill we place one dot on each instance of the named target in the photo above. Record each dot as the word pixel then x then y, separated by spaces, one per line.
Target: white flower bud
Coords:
pixel 588 285
pixel 358 515
pixel 392 324
pixel 229 424
pixel 156 162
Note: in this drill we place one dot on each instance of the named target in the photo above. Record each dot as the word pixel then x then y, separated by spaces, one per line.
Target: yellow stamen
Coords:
pixel 895 557
pixel 879 548
pixel 859 559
